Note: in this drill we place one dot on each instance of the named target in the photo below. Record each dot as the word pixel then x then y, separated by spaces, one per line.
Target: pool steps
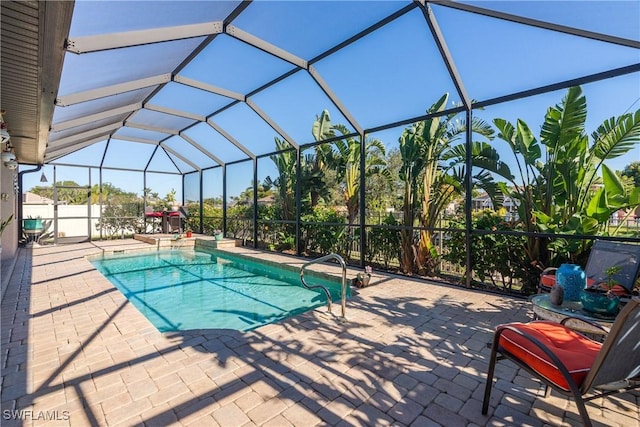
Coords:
pixel 165 241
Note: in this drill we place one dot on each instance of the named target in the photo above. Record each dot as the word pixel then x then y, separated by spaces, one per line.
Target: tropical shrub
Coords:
pixel 211 216
pixel 383 243
pixel 118 217
pixel 495 258
pixel 240 221
pixel 285 161
pixel 323 238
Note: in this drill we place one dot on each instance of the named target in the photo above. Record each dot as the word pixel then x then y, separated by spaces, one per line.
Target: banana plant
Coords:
pixel 285 161
pixel 432 158
pixel 315 165
pixel 411 168
pixel 347 164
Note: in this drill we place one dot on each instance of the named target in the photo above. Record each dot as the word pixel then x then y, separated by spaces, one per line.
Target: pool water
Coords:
pixel 186 289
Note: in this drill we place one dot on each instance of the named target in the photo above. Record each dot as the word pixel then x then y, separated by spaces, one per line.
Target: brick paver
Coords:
pixel 410 353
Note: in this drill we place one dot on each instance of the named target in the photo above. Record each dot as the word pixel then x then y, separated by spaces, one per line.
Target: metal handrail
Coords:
pixel 326 291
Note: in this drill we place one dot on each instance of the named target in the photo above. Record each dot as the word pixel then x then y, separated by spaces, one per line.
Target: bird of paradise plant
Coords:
pixel 559 189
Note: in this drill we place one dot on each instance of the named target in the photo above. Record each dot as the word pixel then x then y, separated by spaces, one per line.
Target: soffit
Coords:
pixel 32 34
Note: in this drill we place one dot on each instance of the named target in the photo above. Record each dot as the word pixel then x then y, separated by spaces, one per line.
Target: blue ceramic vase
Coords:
pixel 572 279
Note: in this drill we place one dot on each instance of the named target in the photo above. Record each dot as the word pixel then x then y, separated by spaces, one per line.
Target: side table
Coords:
pixel 543 309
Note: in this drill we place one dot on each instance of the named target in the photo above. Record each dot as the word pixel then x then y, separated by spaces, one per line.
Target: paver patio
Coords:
pixel 411 353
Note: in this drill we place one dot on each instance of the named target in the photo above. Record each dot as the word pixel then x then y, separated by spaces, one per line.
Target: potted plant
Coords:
pixel 217 234
pixel 600 298
pixel 362 279
pixel 189 232
pixel 32 224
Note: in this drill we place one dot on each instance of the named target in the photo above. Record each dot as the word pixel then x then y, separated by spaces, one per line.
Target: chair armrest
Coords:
pixel 596 325
pixel 549 270
pixel 544 277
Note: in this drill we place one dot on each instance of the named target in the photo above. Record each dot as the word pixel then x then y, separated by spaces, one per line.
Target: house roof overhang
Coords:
pixel 32 35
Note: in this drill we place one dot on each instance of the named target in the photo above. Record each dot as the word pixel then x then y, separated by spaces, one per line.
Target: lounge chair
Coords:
pixel 569 362
pixel 604 254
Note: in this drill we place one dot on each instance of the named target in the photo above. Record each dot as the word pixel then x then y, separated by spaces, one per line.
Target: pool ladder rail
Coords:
pixel 326 291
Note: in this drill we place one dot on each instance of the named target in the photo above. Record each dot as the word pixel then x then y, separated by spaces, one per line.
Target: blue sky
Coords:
pixel 392 74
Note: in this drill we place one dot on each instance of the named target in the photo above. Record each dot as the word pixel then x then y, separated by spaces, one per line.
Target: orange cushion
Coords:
pixel 575 350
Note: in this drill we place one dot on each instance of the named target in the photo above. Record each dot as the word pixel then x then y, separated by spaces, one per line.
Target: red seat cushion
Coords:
pixel 620 291
pixel 547 280
pixel 575 350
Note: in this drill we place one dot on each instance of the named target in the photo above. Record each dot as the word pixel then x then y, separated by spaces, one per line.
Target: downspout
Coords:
pixel 21 194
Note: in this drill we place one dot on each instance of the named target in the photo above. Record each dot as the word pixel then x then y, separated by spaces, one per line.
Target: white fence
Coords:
pixel 72 219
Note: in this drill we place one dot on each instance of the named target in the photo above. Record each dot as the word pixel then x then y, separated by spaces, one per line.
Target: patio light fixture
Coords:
pixel 4 133
pixel 8 158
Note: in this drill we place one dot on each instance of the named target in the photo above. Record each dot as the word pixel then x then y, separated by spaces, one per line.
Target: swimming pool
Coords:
pixel 188 289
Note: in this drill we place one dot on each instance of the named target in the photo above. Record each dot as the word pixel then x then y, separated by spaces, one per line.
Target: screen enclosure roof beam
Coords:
pixel 135 125
pixel 174 112
pixel 539 24
pixel 208 88
pixel 103 130
pixel 181 157
pixel 271 123
pixel 265 46
pixel 95 117
pixel 230 138
pixel 201 148
pixel 63 151
pixel 102 92
pixel 96 43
